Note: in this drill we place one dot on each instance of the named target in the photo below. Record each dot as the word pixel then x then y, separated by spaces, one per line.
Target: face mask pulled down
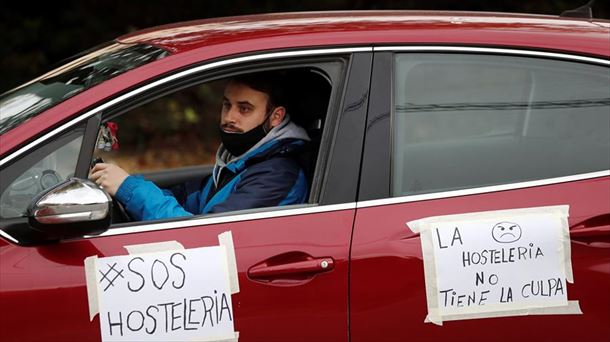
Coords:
pixel 238 143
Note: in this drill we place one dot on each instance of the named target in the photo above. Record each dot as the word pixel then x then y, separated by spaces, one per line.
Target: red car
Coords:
pixel 413 115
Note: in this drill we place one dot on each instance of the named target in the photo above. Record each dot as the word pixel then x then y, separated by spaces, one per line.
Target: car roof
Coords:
pixel 384 27
pixel 192 43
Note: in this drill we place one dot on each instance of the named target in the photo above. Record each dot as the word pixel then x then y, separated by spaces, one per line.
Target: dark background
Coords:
pixel 37 35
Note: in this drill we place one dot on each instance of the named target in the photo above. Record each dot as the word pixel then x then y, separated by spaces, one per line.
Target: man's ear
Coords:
pixel 277 116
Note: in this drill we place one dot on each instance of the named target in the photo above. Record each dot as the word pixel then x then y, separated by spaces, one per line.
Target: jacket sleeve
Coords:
pixel 278 181
pixel 143 200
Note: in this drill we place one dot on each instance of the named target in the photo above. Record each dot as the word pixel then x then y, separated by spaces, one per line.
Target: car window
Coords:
pixel 25 102
pixel 174 131
pixel 465 121
pixel 38 171
pixel 173 140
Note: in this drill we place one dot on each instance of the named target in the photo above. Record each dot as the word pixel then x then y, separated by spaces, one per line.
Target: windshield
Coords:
pixel 25 102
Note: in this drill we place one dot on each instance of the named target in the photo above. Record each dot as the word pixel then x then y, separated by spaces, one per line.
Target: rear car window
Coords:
pixel 466 121
pixel 25 102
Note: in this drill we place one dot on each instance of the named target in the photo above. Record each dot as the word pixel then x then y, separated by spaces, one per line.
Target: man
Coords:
pixel 255 164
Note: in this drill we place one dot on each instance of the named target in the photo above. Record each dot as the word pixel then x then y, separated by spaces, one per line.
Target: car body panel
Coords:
pixel 50 280
pixel 197 42
pixel 53 275
pixel 383 27
pixel 387 288
pixel 387 283
pixel 376 290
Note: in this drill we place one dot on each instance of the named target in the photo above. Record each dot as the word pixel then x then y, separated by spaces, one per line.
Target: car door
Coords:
pixel 292 262
pixel 465 130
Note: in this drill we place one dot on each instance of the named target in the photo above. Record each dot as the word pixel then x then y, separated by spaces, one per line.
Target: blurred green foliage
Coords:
pixel 179 129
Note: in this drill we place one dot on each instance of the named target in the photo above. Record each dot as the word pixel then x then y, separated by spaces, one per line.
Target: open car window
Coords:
pixel 172 140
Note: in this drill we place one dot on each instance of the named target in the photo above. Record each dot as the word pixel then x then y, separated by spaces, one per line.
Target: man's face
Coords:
pixel 243 108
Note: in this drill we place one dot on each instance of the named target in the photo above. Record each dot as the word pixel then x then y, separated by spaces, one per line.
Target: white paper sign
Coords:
pixel 481 264
pixel 174 295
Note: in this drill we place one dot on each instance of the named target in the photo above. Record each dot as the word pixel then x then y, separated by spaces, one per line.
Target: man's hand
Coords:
pixel 108 176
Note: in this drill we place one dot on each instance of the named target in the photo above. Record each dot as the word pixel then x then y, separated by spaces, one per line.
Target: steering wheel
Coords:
pixel 22 190
pixel 35 180
pixel 119 214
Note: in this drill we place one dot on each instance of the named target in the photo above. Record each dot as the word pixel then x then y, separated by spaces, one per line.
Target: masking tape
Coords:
pixel 417 226
pixel 430 276
pixel 424 228
pixel 226 239
pixel 154 247
pixel 567 250
pixel 573 308
pixel 560 212
pixel 505 307
pixel 92 290
pixel 235 338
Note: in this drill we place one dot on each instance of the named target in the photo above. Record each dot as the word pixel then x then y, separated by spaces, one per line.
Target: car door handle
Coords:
pixel 306 267
pixel 592 228
pixel 591 231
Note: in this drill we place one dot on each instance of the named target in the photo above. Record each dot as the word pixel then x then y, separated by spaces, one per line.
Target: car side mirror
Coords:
pixel 70 209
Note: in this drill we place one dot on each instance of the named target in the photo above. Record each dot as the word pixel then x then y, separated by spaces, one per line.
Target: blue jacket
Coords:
pixel 264 177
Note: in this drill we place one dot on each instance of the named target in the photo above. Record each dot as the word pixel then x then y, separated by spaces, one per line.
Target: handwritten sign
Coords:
pixel 500 263
pixel 172 295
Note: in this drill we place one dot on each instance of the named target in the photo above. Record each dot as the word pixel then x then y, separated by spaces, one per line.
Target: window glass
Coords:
pixel 465 121
pixel 21 104
pixel 38 171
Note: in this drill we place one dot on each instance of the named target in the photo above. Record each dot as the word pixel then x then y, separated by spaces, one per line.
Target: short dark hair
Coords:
pixel 268 82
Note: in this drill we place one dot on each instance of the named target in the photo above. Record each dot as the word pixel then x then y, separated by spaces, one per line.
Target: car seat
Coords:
pixel 307 104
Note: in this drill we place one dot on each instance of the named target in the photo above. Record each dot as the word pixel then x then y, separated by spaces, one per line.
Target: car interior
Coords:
pixel 307 104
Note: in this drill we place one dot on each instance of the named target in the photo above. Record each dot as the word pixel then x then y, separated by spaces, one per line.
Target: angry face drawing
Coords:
pixel 506 232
